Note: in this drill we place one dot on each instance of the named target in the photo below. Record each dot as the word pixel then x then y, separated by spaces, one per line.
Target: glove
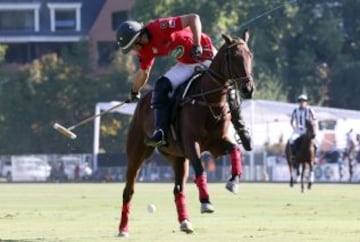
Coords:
pixel 133 97
pixel 196 51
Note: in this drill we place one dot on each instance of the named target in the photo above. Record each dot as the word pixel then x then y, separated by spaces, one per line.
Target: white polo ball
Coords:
pixel 151 208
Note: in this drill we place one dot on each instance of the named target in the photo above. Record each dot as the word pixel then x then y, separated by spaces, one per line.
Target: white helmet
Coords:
pixel 302 97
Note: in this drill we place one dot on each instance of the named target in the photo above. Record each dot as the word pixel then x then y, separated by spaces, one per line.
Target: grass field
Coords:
pixel 260 212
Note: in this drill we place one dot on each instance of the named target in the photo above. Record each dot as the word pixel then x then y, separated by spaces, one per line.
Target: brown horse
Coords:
pixel 201 124
pixel 305 151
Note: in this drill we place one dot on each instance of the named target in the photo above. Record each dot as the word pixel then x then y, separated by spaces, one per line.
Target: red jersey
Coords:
pixel 168 38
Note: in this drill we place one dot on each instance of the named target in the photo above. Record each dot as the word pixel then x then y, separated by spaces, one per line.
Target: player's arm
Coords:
pixel 141 78
pixel 292 119
pixel 193 21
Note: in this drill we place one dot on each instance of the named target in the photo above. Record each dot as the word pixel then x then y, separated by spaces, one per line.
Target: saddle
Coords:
pixel 177 100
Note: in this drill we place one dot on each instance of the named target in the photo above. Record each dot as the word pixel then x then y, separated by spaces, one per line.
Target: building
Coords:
pixel 32 28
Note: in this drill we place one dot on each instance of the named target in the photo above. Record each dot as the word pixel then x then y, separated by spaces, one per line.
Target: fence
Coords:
pixel 112 167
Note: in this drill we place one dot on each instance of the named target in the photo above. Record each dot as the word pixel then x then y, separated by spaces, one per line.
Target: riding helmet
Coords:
pixel 126 34
pixel 302 97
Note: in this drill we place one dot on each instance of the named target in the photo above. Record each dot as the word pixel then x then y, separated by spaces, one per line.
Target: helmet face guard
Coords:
pixel 126 35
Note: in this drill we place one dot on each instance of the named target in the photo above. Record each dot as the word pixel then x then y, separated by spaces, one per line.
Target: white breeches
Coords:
pixel 296 134
pixel 180 72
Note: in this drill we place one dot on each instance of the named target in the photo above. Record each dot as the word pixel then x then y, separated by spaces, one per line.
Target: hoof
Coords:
pixel 186 226
pixel 207 208
pixel 123 234
pixel 232 186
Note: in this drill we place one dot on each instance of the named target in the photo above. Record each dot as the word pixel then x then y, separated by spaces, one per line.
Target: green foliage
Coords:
pixel 291 42
pixel 298 46
pixel 2 53
pixel 53 89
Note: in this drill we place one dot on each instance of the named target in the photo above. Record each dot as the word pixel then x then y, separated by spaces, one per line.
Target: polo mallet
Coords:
pixel 68 131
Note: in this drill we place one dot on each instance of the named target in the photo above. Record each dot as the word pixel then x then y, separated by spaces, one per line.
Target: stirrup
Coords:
pixel 157 139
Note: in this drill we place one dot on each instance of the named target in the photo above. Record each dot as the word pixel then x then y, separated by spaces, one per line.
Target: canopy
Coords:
pixel 267 120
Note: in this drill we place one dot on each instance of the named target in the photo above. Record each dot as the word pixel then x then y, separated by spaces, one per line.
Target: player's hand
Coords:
pixel 196 51
pixel 133 97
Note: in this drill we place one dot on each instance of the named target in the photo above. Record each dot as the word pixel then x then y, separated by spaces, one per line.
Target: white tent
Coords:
pixel 267 120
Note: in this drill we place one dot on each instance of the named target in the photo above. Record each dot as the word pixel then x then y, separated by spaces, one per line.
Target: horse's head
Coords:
pixel 235 63
pixel 310 129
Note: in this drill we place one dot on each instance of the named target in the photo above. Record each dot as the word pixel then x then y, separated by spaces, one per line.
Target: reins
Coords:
pixel 215 77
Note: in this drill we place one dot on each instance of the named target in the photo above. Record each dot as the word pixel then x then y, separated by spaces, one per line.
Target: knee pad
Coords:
pixel 161 92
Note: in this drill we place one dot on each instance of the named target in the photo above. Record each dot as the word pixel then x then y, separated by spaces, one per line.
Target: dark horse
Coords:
pixel 349 156
pixel 305 151
pixel 201 124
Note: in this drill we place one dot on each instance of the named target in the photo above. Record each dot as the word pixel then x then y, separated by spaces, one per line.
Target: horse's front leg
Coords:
pixel 236 166
pixel 311 174
pixel 127 195
pixel 290 160
pixel 351 170
pixel 181 171
pixel 302 176
pixel 291 174
pixel 192 150
pixel 297 171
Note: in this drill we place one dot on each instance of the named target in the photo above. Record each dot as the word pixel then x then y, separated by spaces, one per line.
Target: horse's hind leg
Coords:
pixel 181 171
pixel 137 152
pixel 192 150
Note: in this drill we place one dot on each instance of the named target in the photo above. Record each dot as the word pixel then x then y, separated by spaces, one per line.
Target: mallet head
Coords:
pixel 65 131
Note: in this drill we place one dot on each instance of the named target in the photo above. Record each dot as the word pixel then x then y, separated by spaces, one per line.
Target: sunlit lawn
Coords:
pixel 260 212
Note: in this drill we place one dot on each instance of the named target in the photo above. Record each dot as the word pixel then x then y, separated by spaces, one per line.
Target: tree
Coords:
pixel 58 89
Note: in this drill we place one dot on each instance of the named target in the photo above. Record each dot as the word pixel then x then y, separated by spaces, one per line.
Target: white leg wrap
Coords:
pixel 312 177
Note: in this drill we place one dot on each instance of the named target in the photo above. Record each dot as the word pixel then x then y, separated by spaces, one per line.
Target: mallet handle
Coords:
pixel 95 116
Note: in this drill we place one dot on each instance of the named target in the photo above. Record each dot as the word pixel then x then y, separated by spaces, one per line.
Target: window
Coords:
pixel 19 17
pixel 65 16
pixel 17 20
pixel 118 18
pixel 65 20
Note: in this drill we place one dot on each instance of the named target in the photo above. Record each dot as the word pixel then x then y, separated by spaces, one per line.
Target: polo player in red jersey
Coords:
pixel 182 38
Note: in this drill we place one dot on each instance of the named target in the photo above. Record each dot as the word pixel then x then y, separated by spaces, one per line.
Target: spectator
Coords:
pixel 77 172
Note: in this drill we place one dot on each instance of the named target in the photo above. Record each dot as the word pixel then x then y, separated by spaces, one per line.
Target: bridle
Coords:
pixel 232 82
pixel 232 79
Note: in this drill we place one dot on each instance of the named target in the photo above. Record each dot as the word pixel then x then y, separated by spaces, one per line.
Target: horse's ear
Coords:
pixel 246 35
pixel 227 38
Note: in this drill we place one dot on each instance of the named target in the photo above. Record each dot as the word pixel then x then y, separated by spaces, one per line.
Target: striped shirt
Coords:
pixel 300 115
